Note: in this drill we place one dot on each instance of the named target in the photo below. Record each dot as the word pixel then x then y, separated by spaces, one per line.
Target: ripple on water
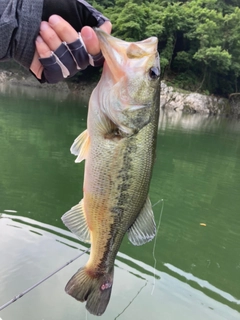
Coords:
pixel 32 250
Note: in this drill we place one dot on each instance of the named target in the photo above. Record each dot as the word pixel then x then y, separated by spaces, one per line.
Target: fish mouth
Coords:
pixel 119 53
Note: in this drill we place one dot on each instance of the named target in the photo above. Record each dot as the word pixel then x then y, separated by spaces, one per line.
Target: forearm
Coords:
pixel 19 27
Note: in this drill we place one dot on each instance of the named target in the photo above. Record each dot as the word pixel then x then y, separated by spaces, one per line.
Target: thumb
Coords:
pixel 90 39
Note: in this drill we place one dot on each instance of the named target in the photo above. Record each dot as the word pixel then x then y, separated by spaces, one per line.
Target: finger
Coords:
pixel 42 48
pixel 90 38
pixel 36 67
pixel 63 29
pixel 107 27
pixel 49 36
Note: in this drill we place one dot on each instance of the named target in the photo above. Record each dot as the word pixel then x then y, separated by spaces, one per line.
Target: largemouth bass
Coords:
pixel 119 151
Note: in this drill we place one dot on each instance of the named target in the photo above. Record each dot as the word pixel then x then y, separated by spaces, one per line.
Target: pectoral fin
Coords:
pixel 76 222
pixel 144 228
pixel 80 146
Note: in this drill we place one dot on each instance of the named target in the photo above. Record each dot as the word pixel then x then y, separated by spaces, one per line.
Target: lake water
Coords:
pixel 197 248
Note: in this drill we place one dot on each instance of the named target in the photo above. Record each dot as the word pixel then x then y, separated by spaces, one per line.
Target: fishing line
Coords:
pixel 154 244
pixel 139 291
pixel 40 282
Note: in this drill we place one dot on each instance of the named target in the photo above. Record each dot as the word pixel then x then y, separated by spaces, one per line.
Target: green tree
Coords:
pixel 129 23
pixel 232 43
pixel 199 40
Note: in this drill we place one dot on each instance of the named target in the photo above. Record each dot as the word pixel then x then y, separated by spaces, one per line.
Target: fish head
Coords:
pixel 129 89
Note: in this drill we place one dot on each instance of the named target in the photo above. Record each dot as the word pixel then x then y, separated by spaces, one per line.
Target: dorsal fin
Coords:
pixel 143 229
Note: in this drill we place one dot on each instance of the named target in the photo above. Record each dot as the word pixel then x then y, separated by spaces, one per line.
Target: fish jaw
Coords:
pixel 113 51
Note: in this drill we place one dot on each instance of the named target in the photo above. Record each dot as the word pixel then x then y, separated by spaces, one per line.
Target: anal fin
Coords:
pixel 76 222
pixel 143 229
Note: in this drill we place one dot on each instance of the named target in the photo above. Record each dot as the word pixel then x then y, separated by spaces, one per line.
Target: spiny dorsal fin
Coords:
pixel 144 228
pixel 80 146
pixel 76 222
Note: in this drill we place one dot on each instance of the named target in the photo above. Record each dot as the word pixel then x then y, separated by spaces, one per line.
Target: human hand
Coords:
pixel 56 31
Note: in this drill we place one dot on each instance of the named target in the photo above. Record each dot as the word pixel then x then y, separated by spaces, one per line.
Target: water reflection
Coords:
pixel 42 248
pixel 195 122
pixel 34 93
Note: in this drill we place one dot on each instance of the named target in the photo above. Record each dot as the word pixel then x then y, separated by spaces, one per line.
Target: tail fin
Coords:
pixel 96 289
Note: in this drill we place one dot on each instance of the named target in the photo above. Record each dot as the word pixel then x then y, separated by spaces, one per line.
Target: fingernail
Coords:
pixel 44 26
pixel 87 33
pixel 39 39
pixel 54 19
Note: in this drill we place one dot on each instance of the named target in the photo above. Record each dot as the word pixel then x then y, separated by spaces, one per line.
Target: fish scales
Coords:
pixel 119 148
pixel 119 193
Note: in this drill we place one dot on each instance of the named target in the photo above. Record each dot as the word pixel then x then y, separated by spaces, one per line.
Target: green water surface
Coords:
pixel 197 249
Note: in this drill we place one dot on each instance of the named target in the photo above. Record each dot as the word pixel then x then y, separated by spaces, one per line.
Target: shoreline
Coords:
pixel 171 98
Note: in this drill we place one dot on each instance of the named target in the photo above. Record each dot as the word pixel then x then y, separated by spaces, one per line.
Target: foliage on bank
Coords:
pixel 199 40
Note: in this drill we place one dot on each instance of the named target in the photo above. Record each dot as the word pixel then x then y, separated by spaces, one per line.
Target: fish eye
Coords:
pixel 154 73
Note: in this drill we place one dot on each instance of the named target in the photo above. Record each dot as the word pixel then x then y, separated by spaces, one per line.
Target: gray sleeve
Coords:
pixel 19 27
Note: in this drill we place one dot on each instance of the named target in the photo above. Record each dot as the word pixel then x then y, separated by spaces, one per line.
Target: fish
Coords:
pixel 119 149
